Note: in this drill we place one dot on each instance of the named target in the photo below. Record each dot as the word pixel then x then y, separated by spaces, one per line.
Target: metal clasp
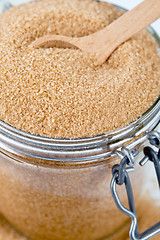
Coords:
pixel 120 176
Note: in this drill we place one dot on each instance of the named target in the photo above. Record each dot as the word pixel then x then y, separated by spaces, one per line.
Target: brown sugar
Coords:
pixel 146 221
pixel 60 92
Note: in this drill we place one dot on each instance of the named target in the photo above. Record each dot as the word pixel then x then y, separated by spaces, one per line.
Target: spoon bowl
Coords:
pixel 104 42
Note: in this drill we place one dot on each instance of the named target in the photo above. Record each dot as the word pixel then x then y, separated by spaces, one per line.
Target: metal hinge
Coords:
pixel 120 176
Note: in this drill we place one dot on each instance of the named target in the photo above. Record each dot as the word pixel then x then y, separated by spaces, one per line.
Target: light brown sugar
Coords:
pixel 60 92
pixel 146 220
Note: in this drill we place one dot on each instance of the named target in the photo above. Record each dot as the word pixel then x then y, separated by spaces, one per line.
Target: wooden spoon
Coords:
pixel 105 41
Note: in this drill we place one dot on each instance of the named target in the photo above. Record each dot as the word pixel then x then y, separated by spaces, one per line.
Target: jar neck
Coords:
pixel 33 148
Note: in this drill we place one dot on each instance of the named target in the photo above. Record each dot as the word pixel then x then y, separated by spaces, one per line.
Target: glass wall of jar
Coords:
pixel 60 189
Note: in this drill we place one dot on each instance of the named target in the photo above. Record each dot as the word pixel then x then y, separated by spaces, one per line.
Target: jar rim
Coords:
pixel 19 141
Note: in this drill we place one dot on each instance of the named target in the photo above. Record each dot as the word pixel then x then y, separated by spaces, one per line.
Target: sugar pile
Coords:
pixel 60 92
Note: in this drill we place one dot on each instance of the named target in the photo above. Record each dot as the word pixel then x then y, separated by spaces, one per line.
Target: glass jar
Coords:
pixel 59 189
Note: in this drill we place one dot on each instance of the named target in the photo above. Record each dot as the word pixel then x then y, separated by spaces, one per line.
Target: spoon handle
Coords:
pixel 126 26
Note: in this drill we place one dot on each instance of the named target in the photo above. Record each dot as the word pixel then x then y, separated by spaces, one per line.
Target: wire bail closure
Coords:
pixel 120 176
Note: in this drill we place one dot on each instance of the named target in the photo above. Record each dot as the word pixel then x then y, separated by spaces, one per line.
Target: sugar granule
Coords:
pixel 60 93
